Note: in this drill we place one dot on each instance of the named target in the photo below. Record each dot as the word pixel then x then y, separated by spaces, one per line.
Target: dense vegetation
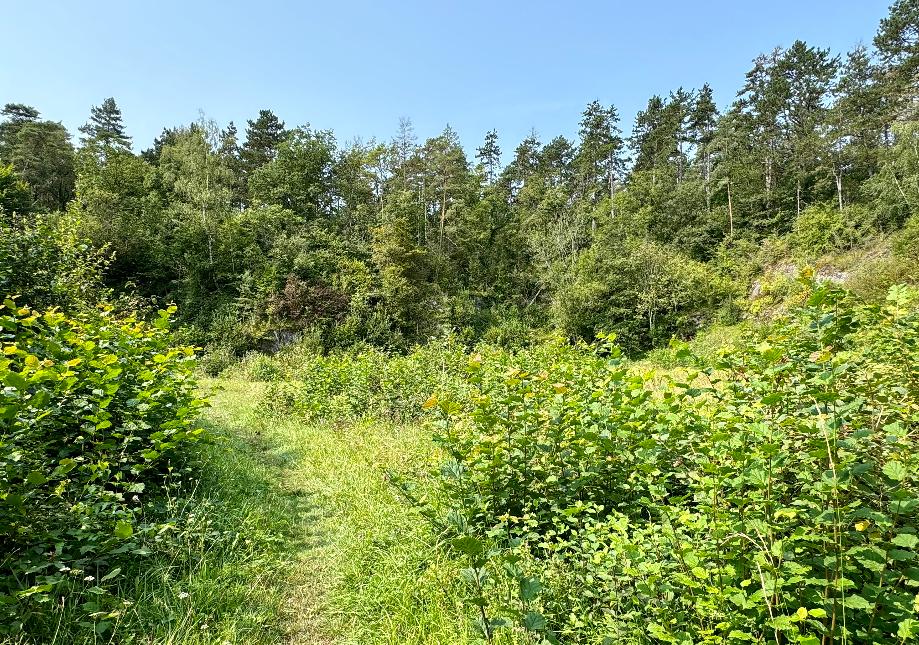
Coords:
pixel 766 492
pixel 660 387
pixel 285 232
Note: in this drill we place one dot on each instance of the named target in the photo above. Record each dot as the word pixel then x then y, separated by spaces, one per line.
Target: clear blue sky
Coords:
pixel 358 66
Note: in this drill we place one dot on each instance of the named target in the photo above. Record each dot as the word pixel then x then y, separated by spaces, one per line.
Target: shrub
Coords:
pixel 96 408
pixel 46 263
pixel 645 292
pixel 773 497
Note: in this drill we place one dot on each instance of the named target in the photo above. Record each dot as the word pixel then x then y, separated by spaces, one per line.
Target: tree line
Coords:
pixel 286 231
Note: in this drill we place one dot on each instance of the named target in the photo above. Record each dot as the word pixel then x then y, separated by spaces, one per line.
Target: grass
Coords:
pixel 370 572
pixel 362 566
pixel 292 534
pixel 214 573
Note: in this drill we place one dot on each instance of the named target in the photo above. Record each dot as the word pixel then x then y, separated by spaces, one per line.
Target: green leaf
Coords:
pixel 907 628
pixel 895 470
pixel 123 530
pixel 529 588
pixel 857 602
pixel 906 540
pixel 36 478
pixel 534 621
pixel 468 544
pixel 113 573
pixel 25 593
pixel 65 466
pixel 17 380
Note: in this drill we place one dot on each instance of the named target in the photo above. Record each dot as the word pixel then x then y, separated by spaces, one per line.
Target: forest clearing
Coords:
pixel 281 386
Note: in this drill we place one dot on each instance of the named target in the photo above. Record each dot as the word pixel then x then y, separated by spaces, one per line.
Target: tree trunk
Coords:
pixel 730 212
pixel 707 164
pixel 612 196
pixel 443 218
pixel 839 188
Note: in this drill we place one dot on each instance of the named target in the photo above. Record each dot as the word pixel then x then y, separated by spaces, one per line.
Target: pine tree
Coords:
pixel 556 161
pixel 105 127
pixel 15 116
pixel 805 76
pixel 263 138
pixel 897 43
pixel 599 157
pixel 447 179
pixel 703 119
pixel 42 154
pixel 229 151
pixel 524 164
pixel 856 123
pixel 760 100
pixel 646 141
pixel 489 156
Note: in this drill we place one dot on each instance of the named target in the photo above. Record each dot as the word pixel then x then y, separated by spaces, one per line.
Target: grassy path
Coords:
pixel 360 566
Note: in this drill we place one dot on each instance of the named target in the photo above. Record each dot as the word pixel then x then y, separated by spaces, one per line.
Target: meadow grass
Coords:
pixel 361 565
pixel 369 569
pixel 286 532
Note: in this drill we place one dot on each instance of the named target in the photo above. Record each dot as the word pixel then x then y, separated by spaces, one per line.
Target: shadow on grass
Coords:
pixel 222 538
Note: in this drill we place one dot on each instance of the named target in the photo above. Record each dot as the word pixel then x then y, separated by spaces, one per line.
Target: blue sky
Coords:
pixel 358 66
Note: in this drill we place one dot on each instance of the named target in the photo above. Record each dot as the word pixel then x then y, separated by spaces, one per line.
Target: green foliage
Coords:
pixel 771 497
pixel 293 234
pixel 364 381
pixel 96 408
pixel 105 130
pixel 43 155
pixel 299 177
pixel 46 262
pixel 895 189
pixel 14 193
pixel 898 265
pixel 823 228
pixel 645 292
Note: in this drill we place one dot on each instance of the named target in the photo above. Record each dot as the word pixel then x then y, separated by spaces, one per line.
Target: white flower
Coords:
pixel 183 595
pixel 89 578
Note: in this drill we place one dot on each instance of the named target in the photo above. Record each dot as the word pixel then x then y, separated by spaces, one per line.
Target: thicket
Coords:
pixel 97 409
pixel 767 493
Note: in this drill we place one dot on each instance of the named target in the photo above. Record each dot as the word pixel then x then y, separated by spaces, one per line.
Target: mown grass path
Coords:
pixel 361 565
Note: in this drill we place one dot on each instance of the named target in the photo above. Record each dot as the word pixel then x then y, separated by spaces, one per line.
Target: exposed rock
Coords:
pixel 829 274
pixel 278 340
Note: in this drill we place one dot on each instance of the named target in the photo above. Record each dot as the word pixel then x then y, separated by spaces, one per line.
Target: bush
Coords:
pixel 645 292
pixel 43 261
pixel 873 278
pixel 96 410
pixel 362 381
pixel 772 497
